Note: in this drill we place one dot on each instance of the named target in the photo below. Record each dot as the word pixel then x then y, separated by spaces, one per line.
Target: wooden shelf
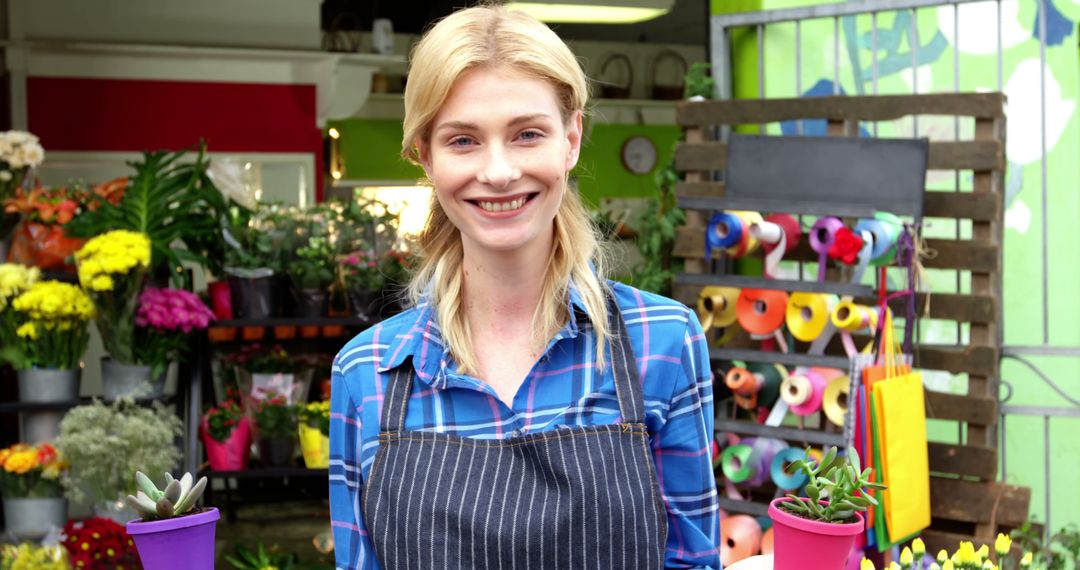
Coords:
pixel 265 473
pixel 747 282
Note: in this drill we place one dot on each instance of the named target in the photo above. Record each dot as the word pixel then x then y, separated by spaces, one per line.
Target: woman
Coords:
pixel 524 413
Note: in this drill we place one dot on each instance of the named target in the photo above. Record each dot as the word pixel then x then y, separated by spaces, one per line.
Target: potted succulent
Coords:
pixel 276 424
pixel 30 484
pixel 171 531
pixel 226 433
pixel 315 434
pixel 822 526
pixel 51 336
pixel 104 444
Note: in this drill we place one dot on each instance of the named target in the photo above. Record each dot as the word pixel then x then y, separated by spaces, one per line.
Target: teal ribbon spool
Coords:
pixel 886 229
pixel 782 479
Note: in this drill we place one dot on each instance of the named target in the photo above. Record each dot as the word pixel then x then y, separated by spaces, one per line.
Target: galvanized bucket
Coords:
pixel 41 385
pixel 119 380
pixel 31 519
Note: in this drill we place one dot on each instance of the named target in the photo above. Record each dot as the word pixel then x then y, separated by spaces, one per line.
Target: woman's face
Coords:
pixel 498 156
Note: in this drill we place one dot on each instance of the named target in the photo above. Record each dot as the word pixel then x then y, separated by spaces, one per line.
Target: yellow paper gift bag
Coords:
pixel 900 406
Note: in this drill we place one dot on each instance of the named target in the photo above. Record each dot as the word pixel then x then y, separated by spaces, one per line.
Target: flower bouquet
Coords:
pixel 15 279
pixel 99 543
pixel 275 422
pixel 261 372
pixel 28 556
pixel 30 483
pixel 165 318
pixel 112 267
pixel 226 433
pixel 20 152
pixel 105 444
pixel 40 240
pixel 315 434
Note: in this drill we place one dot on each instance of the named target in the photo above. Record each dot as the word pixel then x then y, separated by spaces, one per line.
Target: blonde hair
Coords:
pixel 491 36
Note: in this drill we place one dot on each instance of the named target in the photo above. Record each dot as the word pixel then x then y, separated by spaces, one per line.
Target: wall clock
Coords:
pixel 639 154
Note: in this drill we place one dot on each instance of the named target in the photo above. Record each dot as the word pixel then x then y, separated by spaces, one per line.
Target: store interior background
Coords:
pixel 100 81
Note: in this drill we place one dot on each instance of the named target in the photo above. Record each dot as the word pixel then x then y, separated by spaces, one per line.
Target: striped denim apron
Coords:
pixel 570 498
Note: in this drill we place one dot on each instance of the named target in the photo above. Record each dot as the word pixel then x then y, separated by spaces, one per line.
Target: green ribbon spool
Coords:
pixel 772 375
pixel 735 463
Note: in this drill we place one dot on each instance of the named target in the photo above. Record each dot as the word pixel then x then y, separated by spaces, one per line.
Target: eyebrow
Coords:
pixel 465 126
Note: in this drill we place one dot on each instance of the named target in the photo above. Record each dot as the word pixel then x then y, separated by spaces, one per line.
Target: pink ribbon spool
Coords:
pixel 812 401
pixel 822 236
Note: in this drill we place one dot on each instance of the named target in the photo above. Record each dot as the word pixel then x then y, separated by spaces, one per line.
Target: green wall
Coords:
pixel 371 150
pixel 1024 224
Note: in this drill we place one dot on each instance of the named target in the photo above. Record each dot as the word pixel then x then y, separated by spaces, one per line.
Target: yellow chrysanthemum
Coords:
pixel 1003 544
pixel 982 554
pixel 55 301
pixel 1025 562
pixel 866 564
pixel 918 548
pixel 906 558
pixel 942 556
pixel 27 330
pixel 117 252
pixel 101 283
pixel 948 565
pixel 14 280
pixel 21 462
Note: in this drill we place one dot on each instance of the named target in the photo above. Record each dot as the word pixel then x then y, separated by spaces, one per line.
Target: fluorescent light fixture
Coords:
pixel 593 11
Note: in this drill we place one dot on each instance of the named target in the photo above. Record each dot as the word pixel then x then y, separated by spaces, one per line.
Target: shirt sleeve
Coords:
pixel 352 549
pixel 682 452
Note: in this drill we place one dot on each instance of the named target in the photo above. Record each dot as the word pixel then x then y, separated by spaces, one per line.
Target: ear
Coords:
pixel 573 138
pixel 423 151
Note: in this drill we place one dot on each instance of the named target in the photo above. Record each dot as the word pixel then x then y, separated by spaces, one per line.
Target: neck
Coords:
pixel 502 291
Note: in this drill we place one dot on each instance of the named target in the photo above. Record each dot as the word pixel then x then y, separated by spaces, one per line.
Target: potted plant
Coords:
pixel 374 283
pixel 226 433
pixel 50 339
pixel 20 152
pixel 40 239
pixel 261 372
pixel 823 525
pixel 165 319
pixel 99 542
pixel 276 425
pixel 315 434
pixel 104 444
pixel 112 267
pixel 171 531
pixel 172 202
pixel 30 482
pixel 15 279
pixel 252 258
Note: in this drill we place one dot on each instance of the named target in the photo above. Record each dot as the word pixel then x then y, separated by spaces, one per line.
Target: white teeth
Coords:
pixel 503 206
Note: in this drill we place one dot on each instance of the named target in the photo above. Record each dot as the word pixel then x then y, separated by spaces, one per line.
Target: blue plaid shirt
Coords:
pixel 563 388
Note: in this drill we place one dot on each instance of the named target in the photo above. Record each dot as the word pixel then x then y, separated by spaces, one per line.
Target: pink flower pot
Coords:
pixel 221 299
pixel 803 544
pixel 231 454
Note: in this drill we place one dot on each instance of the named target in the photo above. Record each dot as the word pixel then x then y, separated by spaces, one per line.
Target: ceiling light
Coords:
pixel 334 134
pixel 593 11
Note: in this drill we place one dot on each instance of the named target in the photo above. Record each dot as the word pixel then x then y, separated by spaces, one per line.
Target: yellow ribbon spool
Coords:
pixel 716 308
pixel 847 316
pixel 835 400
pixel 807 315
pixel 724 334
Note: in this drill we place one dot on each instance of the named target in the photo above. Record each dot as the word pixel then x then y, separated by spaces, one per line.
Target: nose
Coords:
pixel 499 168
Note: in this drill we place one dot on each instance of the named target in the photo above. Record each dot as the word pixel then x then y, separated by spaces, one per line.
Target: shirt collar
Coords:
pixel 421 339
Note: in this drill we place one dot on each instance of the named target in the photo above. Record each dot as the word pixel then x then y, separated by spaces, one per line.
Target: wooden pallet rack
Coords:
pixel 966 502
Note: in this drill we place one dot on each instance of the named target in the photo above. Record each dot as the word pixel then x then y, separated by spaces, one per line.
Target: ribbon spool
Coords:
pixel 740 538
pixel 803 391
pixel 807 315
pixel 716 306
pixel 767 541
pixel 736 465
pixel 761 312
pixel 771 229
pixel 822 236
pixel 886 229
pixel 722 335
pixel 730 231
pixel 745 386
pixel 762 452
pixel 778 470
pixel 834 401
pixel 849 317
pixel 770 376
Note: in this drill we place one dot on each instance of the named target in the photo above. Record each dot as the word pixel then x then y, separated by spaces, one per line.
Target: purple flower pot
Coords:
pixel 181 543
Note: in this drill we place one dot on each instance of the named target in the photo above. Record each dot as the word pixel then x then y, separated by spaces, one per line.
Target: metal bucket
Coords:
pixel 41 385
pixel 31 519
pixel 133 380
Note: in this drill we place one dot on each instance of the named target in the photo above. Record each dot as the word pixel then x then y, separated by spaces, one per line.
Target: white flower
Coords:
pixel 231 179
pixel 16 159
pixel 34 154
pixel 5 176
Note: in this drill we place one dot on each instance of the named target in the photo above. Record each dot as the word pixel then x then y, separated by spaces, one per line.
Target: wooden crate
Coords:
pixel 965 501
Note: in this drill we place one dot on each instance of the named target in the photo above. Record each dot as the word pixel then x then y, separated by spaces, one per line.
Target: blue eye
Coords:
pixel 531 135
pixel 460 141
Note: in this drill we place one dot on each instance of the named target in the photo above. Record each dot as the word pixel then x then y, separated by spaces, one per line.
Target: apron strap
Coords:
pixel 396 400
pixel 624 368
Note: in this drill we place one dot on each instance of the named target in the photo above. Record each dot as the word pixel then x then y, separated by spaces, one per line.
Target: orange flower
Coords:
pixel 21 462
pixel 112 191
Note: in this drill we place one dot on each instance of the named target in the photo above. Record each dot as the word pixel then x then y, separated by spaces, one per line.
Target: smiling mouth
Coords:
pixel 496 206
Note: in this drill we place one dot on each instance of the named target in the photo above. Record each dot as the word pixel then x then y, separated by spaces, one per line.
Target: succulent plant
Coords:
pixel 178 497
pixel 841 482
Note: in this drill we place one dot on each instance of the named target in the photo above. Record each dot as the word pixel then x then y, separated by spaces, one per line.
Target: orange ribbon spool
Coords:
pixel 740 538
pixel 761 312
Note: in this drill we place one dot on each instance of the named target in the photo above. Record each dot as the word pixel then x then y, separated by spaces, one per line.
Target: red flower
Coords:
pixel 846 247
